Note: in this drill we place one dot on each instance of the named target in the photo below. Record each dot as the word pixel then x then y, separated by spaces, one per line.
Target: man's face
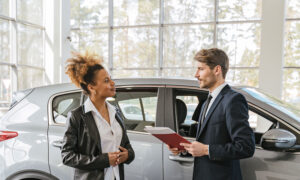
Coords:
pixel 206 76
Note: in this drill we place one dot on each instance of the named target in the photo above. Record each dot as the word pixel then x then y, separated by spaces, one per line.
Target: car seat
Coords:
pixel 181 111
pixel 195 117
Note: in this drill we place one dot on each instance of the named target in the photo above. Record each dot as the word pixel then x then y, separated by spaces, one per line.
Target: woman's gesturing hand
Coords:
pixel 123 155
pixel 113 158
pixel 116 158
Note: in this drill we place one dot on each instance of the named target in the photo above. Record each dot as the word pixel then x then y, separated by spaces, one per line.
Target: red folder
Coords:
pixel 167 136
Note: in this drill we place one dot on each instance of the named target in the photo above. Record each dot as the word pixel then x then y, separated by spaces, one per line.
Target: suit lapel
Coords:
pixel 91 126
pixel 199 119
pixel 212 108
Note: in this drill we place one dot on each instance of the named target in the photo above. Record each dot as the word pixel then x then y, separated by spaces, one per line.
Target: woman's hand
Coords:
pixel 123 155
pixel 113 158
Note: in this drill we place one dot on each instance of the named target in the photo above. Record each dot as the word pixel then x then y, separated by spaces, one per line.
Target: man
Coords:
pixel 223 135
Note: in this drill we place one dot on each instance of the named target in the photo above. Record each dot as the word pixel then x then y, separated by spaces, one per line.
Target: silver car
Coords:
pixel 31 132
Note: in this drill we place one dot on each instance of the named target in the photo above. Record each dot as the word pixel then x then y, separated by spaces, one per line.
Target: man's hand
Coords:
pixel 175 151
pixel 196 149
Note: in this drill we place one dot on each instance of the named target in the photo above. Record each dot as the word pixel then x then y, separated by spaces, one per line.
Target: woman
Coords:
pixel 95 142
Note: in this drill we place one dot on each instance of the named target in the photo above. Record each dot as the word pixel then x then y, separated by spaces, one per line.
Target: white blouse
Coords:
pixel 110 134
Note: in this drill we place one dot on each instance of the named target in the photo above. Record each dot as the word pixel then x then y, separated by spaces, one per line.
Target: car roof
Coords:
pixel 157 81
pixel 140 81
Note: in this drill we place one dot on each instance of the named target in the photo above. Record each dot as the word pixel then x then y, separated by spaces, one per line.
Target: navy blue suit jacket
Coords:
pixel 227 132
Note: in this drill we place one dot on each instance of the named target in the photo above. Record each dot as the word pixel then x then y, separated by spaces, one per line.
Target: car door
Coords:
pixel 180 105
pixel 148 150
pixel 140 107
pixel 266 164
pixel 59 106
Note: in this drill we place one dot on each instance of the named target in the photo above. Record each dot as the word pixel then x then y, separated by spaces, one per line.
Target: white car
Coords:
pixel 31 132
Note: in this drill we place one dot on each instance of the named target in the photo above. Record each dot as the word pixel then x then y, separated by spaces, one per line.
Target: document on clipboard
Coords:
pixel 167 136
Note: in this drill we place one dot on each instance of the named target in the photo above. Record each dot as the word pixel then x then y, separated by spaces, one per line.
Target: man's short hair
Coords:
pixel 213 57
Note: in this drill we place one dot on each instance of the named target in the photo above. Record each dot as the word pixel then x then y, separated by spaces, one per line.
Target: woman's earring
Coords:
pixel 95 92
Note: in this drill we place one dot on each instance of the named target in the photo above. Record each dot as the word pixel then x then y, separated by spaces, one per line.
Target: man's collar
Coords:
pixel 218 90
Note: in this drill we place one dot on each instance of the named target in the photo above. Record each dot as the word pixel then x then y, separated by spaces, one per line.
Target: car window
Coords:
pixel 274 102
pixel 187 105
pixel 191 103
pixel 138 107
pixel 131 109
pixel 149 104
pixel 258 123
pixel 63 104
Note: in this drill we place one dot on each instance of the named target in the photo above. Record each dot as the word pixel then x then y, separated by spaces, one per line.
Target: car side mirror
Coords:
pixel 278 140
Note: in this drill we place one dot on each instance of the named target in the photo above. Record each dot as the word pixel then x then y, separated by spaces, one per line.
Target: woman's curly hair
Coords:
pixel 81 68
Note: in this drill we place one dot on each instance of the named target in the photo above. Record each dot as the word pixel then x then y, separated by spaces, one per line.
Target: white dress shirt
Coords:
pixel 214 95
pixel 110 134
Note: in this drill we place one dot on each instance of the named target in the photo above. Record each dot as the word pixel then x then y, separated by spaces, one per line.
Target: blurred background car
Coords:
pixel 133 112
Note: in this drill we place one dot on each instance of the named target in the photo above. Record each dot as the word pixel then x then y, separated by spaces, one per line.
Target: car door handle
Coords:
pixel 57 143
pixel 181 159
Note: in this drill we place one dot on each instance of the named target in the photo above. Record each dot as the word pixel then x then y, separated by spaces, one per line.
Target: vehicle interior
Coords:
pixel 183 97
pixel 63 104
pixel 144 103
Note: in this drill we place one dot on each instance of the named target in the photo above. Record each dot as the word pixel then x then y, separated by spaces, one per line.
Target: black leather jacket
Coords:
pixel 82 146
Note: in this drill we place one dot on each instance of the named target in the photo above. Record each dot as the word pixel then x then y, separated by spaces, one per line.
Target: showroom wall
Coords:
pixel 158 38
pixel 151 38
pixel 22 62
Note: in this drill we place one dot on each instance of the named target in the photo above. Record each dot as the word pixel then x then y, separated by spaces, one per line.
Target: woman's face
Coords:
pixel 104 86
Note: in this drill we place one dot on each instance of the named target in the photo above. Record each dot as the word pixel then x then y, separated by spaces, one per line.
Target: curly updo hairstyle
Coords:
pixel 82 68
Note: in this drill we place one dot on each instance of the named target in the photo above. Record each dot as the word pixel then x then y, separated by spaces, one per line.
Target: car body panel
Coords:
pixel 58 169
pixel 271 165
pixel 29 150
pixel 177 170
pixel 148 157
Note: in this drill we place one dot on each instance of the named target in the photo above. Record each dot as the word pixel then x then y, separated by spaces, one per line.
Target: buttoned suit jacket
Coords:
pixel 227 132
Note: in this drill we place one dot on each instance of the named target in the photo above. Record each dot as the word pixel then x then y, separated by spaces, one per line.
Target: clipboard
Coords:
pixel 168 136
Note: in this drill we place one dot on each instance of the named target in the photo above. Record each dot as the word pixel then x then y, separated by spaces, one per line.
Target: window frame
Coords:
pixel 160 70
pixel 13 23
pixel 51 121
pixel 253 107
pixel 269 116
pixel 160 98
pixel 135 89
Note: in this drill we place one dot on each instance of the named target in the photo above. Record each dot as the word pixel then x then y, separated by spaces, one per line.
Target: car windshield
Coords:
pixel 274 102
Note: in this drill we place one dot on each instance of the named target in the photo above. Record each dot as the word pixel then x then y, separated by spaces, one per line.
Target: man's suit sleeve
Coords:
pixel 242 143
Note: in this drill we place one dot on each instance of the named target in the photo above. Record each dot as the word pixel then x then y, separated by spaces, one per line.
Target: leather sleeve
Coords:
pixel 69 152
pixel 128 146
pixel 130 150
